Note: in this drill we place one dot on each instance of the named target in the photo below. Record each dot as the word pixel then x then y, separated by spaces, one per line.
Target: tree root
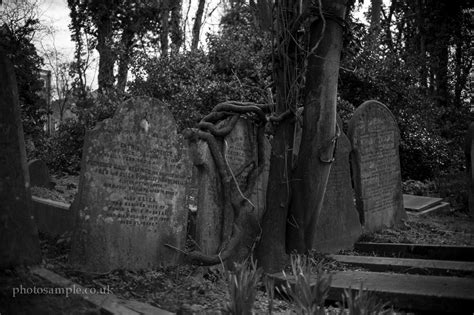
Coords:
pixel 242 211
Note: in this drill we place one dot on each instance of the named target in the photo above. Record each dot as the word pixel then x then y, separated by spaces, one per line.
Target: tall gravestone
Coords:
pixel 375 162
pixel 135 174
pixel 209 202
pixel 338 226
pixel 19 242
pixel 241 149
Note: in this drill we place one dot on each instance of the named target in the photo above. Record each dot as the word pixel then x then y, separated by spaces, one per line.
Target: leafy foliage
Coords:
pixel 237 67
pixel 362 302
pixel 242 285
pixel 308 293
pixel 16 42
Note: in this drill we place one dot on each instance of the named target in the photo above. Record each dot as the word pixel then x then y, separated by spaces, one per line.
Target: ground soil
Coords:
pixel 452 228
pixel 189 288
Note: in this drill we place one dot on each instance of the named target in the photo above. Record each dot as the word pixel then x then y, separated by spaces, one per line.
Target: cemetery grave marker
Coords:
pixel 338 225
pixel 19 242
pixel 133 189
pixel 39 174
pixel 374 134
pixel 241 155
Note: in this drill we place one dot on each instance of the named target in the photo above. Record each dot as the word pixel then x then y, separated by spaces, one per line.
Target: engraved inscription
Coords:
pixel 146 187
pixel 378 168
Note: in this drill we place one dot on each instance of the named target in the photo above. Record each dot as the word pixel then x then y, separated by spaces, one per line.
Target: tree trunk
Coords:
pixel 197 24
pixel 176 33
pixel 271 250
pixel 126 43
pixel 319 127
pixel 165 14
pixel 374 29
pixel 106 55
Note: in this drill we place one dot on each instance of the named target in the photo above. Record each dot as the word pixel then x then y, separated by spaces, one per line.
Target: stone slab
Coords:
pixel 39 174
pixel 419 203
pixel 375 161
pixel 52 218
pixel 338 226
pixel 404 291
pixel 443 207
pixel 19 243
pixel 441 252
pixel 108 303
pixel 408 265
pixel 133 187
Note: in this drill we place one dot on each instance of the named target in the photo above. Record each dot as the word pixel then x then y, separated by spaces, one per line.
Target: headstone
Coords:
pixel 39 174
pixel 469 150
pixel 244 154
pixel 19 242
pixel 133 186
pixel 375 162
pixel 338 226
pixel 209 202
pixel 241 152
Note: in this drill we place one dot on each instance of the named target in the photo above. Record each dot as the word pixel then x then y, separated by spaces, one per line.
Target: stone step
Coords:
pixel 419 203
pixel 441 252
pixel 405 292
pixel 408 265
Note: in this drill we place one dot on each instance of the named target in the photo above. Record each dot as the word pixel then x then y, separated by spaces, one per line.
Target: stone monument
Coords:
pixel 132 197
pixel 338 226
pixel 375 162
pixel 248 159
pixel 19 244
pixel 39 174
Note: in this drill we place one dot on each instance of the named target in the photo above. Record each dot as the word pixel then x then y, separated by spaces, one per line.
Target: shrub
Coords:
pixel 65 148
pixel 242 285
pixel 308 293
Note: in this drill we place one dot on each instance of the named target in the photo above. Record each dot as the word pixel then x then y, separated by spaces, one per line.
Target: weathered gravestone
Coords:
pixel 19 242
pixel 134 179
pixel 39 174
pixel 375 162
pixel 338 224
pixel 469 151
pixel 209 202
pixel 244 153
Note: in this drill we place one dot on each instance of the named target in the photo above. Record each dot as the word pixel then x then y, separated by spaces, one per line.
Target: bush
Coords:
pixel 65 147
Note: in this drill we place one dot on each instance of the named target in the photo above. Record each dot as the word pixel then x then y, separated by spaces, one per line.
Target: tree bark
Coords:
pixel 375 28
pixel 271 250
pixel 176 33
pixel 319 127
pixel 106 55
pixel 165 14
pixel 197 24
pixel 126 43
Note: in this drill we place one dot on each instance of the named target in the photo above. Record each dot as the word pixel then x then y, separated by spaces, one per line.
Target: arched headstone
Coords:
pixel 19 242
pixel 245 154
pixel 135 174
pixel 39 174
pixel 375 161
